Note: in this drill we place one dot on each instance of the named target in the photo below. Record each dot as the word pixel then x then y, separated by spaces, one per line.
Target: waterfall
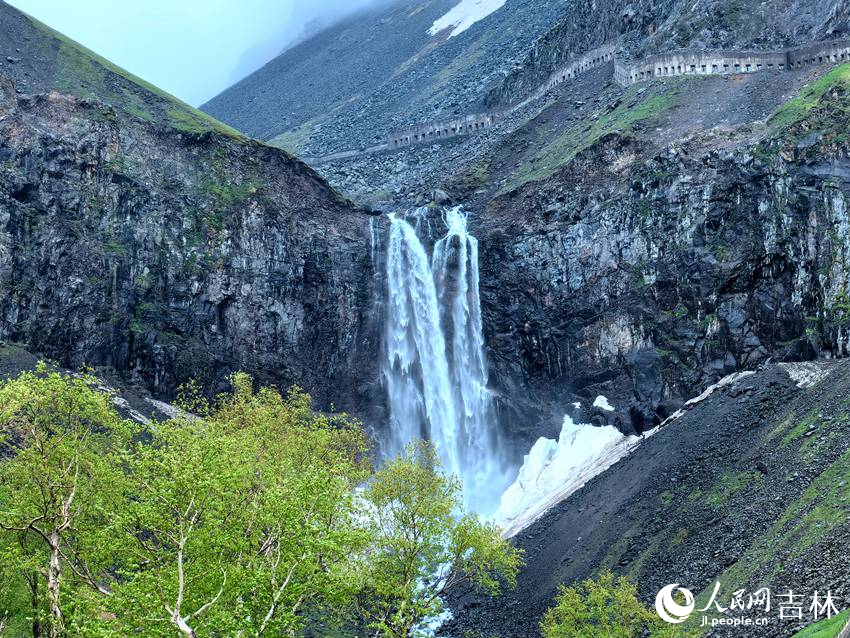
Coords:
pixel 435 370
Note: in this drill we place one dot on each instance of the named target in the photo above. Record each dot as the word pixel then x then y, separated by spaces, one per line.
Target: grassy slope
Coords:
pixel 819 117
pixel 822 508
pixel 811 100
pixel 825 628
pixel 82 72
pixel 638 106
pixel 814 109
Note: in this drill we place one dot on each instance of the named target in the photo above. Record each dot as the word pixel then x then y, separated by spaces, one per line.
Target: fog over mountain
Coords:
pixel 307 20
pixel 192 49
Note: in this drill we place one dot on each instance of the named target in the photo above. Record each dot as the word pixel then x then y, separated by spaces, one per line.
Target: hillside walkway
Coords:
pixel 676 63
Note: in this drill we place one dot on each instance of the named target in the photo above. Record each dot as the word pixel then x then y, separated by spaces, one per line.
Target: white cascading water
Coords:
pixel 435 369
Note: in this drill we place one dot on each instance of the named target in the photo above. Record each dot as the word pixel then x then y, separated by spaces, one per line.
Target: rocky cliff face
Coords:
pixel 645 275
pixel 169 255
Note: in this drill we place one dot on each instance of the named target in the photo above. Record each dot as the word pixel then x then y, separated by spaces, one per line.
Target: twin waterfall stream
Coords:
pixel 434 367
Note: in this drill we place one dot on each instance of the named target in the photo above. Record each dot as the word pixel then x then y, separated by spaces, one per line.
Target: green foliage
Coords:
pixel 827 628
pixel 420 549
pixel 241 518
pixel 729 485
pixel 230 194
pixel 800 429
pixel 603 608
pixel 636 107
pixel 57 490
pixel 811 98
pixel 189 120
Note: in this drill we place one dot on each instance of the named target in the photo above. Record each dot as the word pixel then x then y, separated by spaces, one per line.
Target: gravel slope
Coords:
pixel 749 487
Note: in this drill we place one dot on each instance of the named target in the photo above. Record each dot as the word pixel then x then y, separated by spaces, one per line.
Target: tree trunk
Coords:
pixel 32 581
pixel 54 576
pixel 183 626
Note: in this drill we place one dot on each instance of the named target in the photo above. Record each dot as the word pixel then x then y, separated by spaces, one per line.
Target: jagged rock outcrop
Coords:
pixel 647 276
pixel 169 255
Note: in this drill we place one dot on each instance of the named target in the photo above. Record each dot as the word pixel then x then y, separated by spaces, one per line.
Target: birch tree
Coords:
pixel 240 519
pixel 57 485
pixel 423 545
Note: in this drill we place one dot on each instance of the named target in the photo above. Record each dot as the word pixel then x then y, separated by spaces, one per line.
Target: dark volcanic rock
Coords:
pixel 170 255
pixel 648 280
pixel 734 491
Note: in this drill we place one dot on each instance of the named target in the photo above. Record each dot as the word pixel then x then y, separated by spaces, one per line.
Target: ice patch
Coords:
pixel 464 15
pixel 602 402
pixel 555 469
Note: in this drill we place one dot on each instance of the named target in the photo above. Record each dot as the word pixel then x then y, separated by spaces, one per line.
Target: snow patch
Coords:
pixel 553 470
pixel 806 374
pixel 464 15
pixel 602 402
pixel 727 380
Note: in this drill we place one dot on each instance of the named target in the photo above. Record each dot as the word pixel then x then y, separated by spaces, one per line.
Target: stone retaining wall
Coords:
pixel 471 124
pixel 466 125
pixel 729 62
pixel 656 66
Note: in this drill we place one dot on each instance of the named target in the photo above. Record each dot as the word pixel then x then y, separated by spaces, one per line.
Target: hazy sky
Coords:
pixel 188 47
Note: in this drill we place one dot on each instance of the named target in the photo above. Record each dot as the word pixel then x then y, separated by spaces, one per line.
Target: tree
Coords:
pixel 422 545
pixel 60 480
pixel 240 518
pixel 603 608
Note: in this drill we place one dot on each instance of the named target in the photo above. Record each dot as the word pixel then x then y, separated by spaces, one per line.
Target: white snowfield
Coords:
pixel 464 15
pixel 555 469
pixel 602 402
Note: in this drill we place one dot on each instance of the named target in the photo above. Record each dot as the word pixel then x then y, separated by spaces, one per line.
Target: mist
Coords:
pixel 194 49
pixel 308 19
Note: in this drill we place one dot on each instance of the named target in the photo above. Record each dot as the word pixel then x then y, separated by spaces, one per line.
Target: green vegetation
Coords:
pixel 238 517
pixel 56 492
pixel 229 194
pixel 800 429
pixel 81 72
pixel 828 628
pixel 811 98
pixel 822 508
pixel 729 485
pixel 637 105
pixel 293 140
pixel 409 572
pixel 475 175
pixel 603 608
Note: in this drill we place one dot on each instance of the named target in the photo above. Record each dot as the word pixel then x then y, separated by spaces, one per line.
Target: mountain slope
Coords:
pixel 348 85
pixel 39 59
pixel 748 488
pixel 163 245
